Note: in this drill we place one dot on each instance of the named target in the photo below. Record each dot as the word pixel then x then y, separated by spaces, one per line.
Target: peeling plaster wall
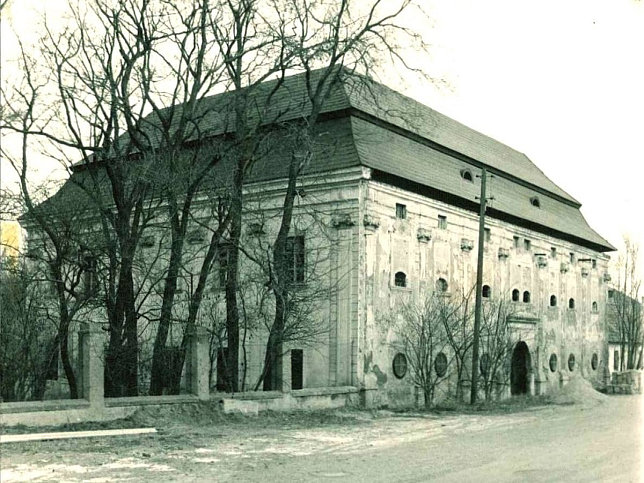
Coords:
pixel 393 245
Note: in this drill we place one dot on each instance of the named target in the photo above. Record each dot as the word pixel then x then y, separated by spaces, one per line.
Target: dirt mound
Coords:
pixel 577 391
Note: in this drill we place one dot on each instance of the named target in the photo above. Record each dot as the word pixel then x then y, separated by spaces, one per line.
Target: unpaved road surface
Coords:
pixel 595 442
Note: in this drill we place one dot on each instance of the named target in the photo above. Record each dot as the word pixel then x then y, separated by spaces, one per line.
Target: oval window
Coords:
pixel 553 362
pixel 440 364
pixel 400 365
pixel 594 362
pixel 571 362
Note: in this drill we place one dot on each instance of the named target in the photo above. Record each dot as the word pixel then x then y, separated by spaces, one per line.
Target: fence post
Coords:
pixel 199 363
pixel 91 364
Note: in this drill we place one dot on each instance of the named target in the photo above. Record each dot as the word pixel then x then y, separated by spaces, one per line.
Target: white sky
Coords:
pixel 561 81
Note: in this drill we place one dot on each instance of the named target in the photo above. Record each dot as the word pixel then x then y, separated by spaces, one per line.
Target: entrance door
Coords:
pixel 297 368
pixel 520 369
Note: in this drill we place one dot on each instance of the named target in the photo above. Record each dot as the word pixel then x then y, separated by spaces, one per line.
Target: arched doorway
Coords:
pixel 520 369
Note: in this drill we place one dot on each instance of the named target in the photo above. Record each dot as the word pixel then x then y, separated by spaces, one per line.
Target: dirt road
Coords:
pixel 598 442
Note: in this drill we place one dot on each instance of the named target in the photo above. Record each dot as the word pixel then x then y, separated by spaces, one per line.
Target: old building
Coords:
pixel 388 210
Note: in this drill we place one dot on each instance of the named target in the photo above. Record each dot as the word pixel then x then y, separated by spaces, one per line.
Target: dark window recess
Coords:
pixel 222 378
pixel 572 258
pixel 553 362
pixel 466 174
pixel 517 241
pixel 515 295
pixel 297 368
pixel 486 292
pixel 616 360
pixel 553 252
pixel 488 235
pixel 442 222
pixel 534 201
pixel 295 258
pixel 400 365
pixel 571 362
pixel 441 285
pixel 90 279
pixel 594 263
pixel 594 362
pixel 52 363
pixel 223 256
pixel 526 297
pixel 527 245
pixel 594 306
pixel 440 364
pixel 610 294
pixel 484 364
pixel 553 301
pixel 571 303
pixel 401 211
pixel 400 279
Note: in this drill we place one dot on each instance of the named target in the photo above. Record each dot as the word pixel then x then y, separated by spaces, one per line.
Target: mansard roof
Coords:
pixel 366 123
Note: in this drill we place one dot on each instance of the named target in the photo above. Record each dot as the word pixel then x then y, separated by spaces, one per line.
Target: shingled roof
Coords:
pixel 372 125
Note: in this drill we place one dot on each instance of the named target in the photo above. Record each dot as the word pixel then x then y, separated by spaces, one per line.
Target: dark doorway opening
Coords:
pixel 520 369
pixel 222 373
pixel 297 368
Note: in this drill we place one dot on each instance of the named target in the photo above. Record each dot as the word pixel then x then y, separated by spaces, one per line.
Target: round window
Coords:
pixel 484 364
pixel 594 362
pixel 571 362
pixel 553 362
pixel 400 365
pixel 440 364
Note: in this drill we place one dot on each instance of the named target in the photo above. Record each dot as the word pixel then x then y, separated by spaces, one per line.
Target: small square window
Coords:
pixel 527 245
pixel 401 211
pixel 442 222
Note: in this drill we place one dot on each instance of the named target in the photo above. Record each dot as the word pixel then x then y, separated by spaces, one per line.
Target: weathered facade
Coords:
pixel 388 209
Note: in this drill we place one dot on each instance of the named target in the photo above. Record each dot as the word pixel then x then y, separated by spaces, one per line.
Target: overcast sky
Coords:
pixel 561 81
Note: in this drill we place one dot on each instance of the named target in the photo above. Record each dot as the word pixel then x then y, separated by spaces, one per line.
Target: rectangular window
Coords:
pixel 442 222
pixel 516 241
pixel 401 211
pixel 526 245
pixel 572 258
pixel 223 257
pixel 553 252
pixel 297 369
pixel 295 258
pixel 488 235
pixel 594 263
pixel 90 280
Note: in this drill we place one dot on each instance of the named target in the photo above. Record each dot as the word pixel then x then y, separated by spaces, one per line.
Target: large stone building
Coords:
pixel 388 210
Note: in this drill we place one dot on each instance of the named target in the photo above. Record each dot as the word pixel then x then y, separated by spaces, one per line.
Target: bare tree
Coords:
pixel 626 307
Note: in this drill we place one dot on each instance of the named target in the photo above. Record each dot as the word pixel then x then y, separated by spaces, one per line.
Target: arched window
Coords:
pixel 441 285
pixel 466 174
pixel 486 291
pixel 594 306
pixel 594 362
pixel 526 297
pixel 553 301
pixel 571 303
pixel 534 201
pixel 515 295
pixel 400 279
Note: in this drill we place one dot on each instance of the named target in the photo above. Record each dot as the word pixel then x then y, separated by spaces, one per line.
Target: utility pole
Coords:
pixel 479 283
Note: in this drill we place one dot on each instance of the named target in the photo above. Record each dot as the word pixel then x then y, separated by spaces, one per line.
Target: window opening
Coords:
pixel 594 306
pixel 401 211
pixel 295 258
pixel 571 362
pixel 527 245
pixel 526 297
pixel 572 258
pixel 400 365
pixel 400 279
pixel 534 201
pixel 486 291
pixel 484 364
pixel 571 303
pixel 466 174
pixel 594 362
pixel 441 285
pixel 442 222
pixel 297 368
pixel 553 362
pixel 488 235
pixel 515 295
pixel 517 241
pixel 440 364
pixel 553 252
pixel 553 301
pixel 616 360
